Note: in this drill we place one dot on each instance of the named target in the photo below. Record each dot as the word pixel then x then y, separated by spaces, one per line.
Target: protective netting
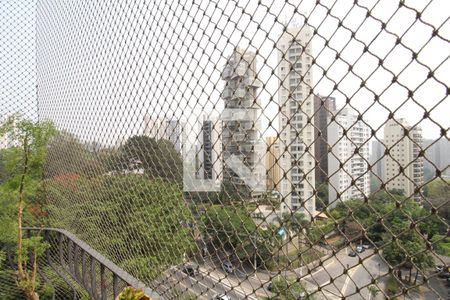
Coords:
pixel 233 149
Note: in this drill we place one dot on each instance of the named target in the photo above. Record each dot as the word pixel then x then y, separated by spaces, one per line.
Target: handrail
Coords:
pixel 104 262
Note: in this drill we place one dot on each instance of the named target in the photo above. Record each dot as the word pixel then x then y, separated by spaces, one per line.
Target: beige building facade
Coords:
pixel 273 170
pixel 404 167
pixel 296 121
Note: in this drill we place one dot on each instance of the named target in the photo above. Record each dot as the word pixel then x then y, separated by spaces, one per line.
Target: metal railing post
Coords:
pixel 93 279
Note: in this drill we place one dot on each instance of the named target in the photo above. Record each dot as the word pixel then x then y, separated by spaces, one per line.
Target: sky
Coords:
pixel 18 58
pixel 102 66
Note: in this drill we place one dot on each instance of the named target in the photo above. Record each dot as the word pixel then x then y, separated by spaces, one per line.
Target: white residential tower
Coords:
pixel 348 159
pixel 296 130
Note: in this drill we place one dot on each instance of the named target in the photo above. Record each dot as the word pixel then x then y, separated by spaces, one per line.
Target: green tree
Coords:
pixel 373 290
pixel 289 288
pixel 68 155
pixel 295 223
pixel 318 229
pixel 23 168
pixel 441 244
pixel 408 250
pixel 140 222
pixel 232 228
pixel 322 196
pixel 231 193
pixel 437 195
pixel 158 158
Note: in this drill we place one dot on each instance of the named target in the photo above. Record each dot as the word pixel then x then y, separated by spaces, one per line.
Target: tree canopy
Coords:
pixel 139 222
pixel 158 158
pixel 232 228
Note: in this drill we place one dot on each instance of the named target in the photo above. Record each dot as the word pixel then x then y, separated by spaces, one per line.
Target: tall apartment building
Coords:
pixel 348 167
pixel 404 147
pixel 377 160
pixel 296 132
pixel 241 138
pixel 273 170
pixel 168 129
pixel 210 151
pixel 323 106
pixel 437 155
pixel 173 133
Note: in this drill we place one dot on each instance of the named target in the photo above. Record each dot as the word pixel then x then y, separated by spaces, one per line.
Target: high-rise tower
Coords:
pixel 404 167
pixel 296 122
pixel 241 129
pixel 348 173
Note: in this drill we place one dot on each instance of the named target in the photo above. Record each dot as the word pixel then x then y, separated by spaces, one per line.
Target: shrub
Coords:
pixel 392 285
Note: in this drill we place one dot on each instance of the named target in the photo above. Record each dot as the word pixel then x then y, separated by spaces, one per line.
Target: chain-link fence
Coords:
pixel 291 149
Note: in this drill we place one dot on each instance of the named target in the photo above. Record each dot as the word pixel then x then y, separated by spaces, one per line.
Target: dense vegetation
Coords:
pixel 289 288
pixel 142 220
pixel 143 224
pixel 232 229
pixel 401 227
pixel 20 183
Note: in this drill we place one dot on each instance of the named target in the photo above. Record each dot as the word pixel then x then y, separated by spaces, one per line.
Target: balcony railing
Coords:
pixel 93 272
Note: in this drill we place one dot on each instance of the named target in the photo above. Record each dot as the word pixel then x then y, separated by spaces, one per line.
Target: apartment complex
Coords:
pixel 241 125
pixel 323 106
pixel 377 160
pixel 210 151
pixel 437 156
pixel 296 123
pixel 273 170
pixel 168 129
pixel 404 169
pixel 348 160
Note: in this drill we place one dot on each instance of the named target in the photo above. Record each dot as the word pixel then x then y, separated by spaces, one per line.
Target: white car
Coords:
pixel 366 245
pixel 360 249
pixel 221 297
pixel 228 267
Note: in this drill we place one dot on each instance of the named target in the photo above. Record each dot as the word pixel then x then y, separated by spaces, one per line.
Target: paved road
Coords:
pixel 440 290
pixel 339 276
pixel 345 276
pixel 205 285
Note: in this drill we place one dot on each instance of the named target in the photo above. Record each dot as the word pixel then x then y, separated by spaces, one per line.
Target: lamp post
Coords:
pixel 254 258
pixel 254 239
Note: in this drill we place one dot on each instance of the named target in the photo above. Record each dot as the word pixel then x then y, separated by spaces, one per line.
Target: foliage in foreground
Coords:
pixel 142 223
pixel 21 173
pixel 130 293
pixel 289 288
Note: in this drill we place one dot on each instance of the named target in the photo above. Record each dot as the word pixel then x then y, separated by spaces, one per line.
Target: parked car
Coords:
pixel 352 253
pixel 190 269
pixel 442 268
pixel 444 275
pixel 228 267
pixel 366 245
pixel 360 249
pixel 221 297
pixel 270 286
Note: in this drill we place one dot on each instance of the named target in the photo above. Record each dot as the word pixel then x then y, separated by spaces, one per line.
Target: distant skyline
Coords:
pixel 124 73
